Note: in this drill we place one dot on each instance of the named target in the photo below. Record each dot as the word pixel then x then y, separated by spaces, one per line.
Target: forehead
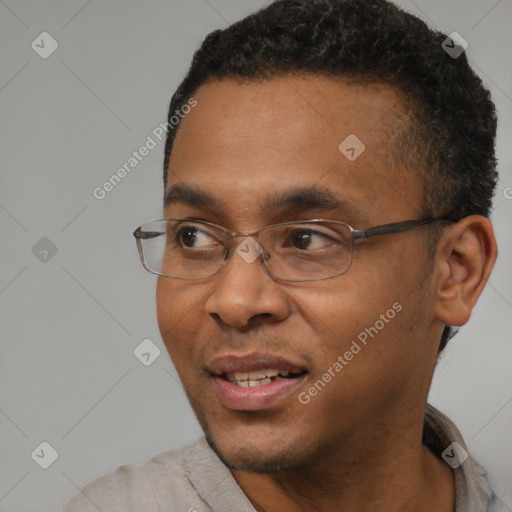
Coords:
pixel 245 141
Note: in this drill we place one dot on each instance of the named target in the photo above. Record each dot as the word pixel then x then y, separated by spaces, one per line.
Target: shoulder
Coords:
pixel 144 485
pixel 473 491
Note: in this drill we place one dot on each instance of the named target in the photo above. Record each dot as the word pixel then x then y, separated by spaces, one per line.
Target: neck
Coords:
pixel 375 472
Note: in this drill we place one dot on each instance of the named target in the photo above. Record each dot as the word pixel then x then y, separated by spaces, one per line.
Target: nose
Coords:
pixel 245 293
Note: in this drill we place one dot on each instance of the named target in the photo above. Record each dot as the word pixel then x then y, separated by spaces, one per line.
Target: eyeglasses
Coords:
pixel 310 250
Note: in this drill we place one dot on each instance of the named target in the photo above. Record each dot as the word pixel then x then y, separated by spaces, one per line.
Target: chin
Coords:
pixel 257 457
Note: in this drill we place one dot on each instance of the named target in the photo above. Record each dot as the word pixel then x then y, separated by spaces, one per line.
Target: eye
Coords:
pixel 193 237
pixel 308 239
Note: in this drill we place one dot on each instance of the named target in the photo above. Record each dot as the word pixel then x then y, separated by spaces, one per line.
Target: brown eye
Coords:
pixel 308 239
pixel 194 237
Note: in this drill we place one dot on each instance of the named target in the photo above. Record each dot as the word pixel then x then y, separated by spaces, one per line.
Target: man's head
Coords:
pixel 277 93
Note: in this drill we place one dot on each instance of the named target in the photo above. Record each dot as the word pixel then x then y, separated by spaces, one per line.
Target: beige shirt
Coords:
pixel 193 479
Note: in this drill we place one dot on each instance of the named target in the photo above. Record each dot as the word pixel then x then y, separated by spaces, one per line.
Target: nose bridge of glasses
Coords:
pixel 248 249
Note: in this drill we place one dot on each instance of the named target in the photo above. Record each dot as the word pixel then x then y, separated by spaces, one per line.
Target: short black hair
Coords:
pixel 451 133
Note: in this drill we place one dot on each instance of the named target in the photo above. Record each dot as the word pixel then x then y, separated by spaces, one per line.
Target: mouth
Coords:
pixel 256 381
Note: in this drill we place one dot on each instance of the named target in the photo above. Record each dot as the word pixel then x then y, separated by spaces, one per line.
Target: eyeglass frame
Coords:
pixel 355 234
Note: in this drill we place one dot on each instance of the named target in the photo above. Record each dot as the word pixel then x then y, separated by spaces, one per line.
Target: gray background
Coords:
pixel 70 323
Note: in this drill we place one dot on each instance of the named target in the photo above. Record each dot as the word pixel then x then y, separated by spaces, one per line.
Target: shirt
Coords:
pixel 194 479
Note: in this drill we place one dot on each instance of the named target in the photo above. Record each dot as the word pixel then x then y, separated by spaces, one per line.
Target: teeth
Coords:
pixel 255 375
pixel 251 383
pixel 255 378
pixel 261 382
pixel 258 374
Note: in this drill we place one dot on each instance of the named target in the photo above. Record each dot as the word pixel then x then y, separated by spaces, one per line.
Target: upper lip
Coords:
pixel 232 363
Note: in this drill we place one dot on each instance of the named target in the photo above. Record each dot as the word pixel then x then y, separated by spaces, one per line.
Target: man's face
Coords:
pixel 242 145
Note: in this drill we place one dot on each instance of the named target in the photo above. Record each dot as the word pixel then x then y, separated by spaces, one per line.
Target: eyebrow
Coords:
pixel 194 197
pixel 293 200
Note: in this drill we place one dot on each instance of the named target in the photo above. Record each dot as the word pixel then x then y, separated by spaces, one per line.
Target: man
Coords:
pixel 329 171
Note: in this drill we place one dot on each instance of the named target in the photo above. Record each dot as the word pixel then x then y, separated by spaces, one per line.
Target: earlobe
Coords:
pixel 465 257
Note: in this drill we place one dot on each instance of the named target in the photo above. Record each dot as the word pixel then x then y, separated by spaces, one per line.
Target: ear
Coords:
pixel 465 256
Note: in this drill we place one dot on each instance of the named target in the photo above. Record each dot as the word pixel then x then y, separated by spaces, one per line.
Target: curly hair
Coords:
pixel 452 121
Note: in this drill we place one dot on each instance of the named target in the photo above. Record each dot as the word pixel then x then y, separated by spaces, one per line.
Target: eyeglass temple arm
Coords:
pixel 144 235
pixel 395 227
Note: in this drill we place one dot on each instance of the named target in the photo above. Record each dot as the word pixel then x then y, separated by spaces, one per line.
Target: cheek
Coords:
pixel 379 306
pixel 346 303
pixel 179 317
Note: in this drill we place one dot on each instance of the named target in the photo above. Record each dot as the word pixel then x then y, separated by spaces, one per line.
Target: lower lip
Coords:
pixel 258 397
